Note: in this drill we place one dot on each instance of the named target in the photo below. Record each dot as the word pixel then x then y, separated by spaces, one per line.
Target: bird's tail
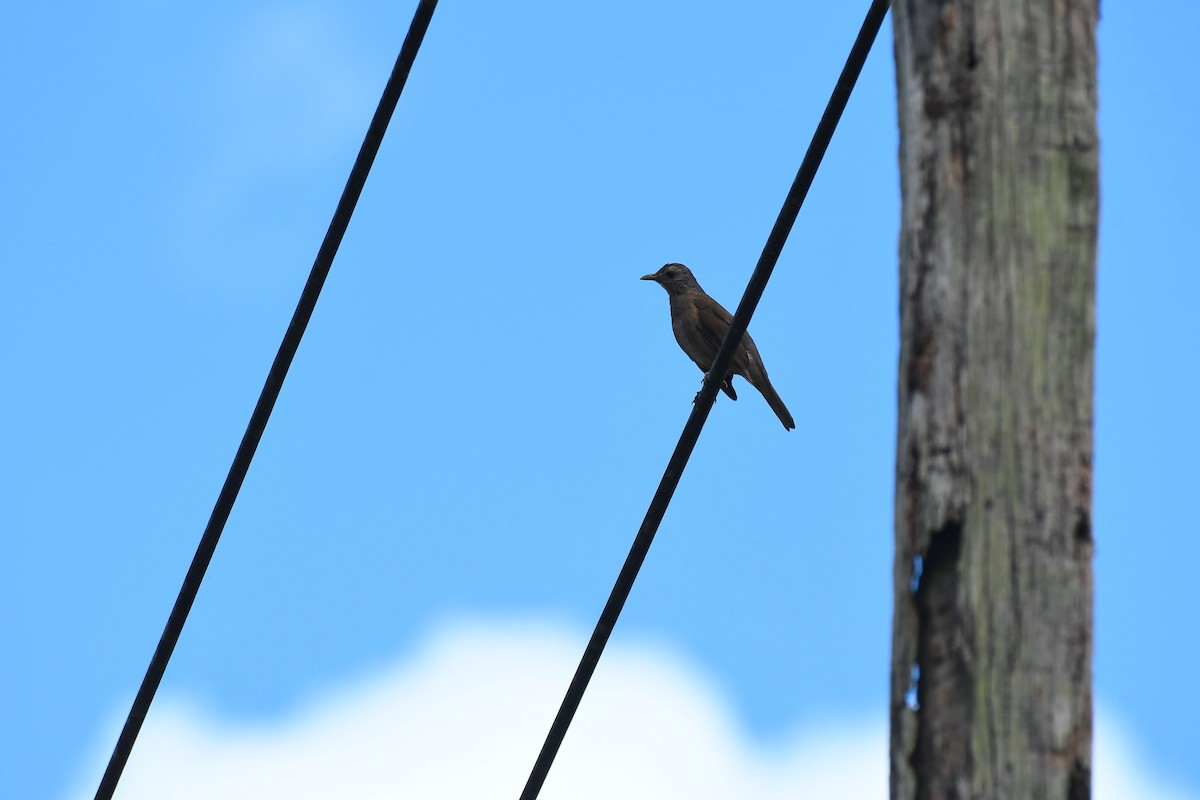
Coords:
pixel 776 404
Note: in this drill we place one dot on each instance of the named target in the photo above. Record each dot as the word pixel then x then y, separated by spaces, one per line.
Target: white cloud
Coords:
pixel 1121 772
pixel 287 96
pixel 292 88
pixel 465 717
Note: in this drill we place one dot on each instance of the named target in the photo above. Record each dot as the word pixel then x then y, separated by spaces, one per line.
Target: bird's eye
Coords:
pixel 670 273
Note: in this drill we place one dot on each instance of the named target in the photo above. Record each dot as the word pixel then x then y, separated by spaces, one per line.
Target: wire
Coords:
pixel 703 403
pixel 266 400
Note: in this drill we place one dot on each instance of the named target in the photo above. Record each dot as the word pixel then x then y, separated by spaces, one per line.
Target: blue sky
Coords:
pixel 487 396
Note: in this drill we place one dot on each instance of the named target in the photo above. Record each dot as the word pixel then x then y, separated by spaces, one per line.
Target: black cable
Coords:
pixel 266 400
pixel 704 401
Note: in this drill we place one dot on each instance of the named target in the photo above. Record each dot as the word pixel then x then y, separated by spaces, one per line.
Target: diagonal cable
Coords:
pixel 708 393
pixel 266 400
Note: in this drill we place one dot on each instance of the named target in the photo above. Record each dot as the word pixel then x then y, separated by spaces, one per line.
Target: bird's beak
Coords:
pixel 651 277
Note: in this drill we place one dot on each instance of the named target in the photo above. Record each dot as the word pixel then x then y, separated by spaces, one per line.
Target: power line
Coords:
pixel 266 400
pixel 708 393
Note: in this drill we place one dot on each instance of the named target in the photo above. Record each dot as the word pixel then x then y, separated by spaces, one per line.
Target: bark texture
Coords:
pixel 992 629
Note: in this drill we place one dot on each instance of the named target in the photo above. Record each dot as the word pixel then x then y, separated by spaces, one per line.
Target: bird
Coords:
pixel 700 324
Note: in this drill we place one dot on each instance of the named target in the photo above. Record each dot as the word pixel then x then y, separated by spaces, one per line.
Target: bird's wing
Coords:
pixel 713 323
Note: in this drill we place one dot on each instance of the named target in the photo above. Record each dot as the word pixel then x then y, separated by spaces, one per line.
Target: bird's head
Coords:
pixel 675 278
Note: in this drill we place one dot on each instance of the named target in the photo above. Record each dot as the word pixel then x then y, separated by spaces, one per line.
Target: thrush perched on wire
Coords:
pixel 700 324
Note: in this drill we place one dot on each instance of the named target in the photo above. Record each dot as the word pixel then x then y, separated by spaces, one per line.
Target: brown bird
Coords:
pixel 700 324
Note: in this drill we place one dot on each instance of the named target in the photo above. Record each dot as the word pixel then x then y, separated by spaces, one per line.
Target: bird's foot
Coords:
pixel 702 382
